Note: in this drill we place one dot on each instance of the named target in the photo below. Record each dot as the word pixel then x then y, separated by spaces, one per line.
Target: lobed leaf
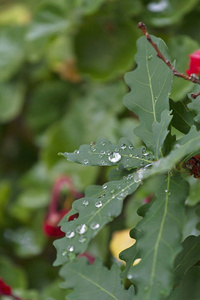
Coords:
pixel 188 257
pixel 158 240
pixel 99 206
pixel 182 119
pixel 189 288
pixel 150 87
pixel 94 281
pixel 160 132
pixel 104 153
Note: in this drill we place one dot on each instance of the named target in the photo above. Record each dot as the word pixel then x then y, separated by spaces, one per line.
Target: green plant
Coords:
pixel 167 240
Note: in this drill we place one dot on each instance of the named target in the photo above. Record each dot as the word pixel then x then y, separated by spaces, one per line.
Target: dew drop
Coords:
pixel 81 229
pixel 70 248
pixel 94 225
pixel 85 202
pixel 98 204
pixel 70 234
pixel 85 162
pixel 71 256
pixel 123 146
pixel 92 144
pixel 94 149
pixel 103 143
pixel 129 276
pixel 150 57
pixel 103 152
pixel 131 147
pixel 76 152
pixel 64 253
pixel 114 157
pixel 130 155
pixel 104 186
pixel 166 191
pixel 112 191
pixel 82 239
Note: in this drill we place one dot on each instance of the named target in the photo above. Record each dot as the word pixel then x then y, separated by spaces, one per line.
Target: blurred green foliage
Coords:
pixel 61 85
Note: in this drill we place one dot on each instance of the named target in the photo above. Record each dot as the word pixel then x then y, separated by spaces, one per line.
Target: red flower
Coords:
pixel 194 63
pixel 5 289
pixel 54 216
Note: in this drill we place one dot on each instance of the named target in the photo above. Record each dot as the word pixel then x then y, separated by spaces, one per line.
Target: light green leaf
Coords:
pixel 103 153
pixel 168 12
pixel 99 207
pixel 12 51
pixel 158 240
pixel 160 131
pixel 150 86
pixel 180 46
pixel 11 101
pixel 195 103
pixel 94 281
pixel 187 258
pixel 189 288
pixel 182 119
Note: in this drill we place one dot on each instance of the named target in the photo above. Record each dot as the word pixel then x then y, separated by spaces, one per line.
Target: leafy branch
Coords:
pixel 193 78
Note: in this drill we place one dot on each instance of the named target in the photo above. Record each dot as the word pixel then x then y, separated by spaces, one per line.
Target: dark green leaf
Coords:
pixel 113 39
pixel 103 153
pixel 150 86
pixel 182 117
pixel 99 207
pixel 187 258
pixel 94 281
pixel 189 288
pixel 158 240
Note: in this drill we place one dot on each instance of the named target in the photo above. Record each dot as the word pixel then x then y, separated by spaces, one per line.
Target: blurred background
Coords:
pixel 62 66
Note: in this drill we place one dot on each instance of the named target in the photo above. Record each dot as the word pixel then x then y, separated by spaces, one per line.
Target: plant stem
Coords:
pixel 193 78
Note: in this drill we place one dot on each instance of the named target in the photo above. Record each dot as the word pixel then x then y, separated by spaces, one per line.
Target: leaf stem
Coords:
pixel 193 78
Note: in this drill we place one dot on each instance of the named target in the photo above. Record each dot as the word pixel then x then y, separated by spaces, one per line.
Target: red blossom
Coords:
pixel 54 216
pixel 89 257
pixel 194 67
pixel 5 289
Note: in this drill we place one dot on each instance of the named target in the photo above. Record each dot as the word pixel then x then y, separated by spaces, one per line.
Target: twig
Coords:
pixel 193 78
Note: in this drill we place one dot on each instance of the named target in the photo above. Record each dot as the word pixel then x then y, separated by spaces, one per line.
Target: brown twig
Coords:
pixel 193 78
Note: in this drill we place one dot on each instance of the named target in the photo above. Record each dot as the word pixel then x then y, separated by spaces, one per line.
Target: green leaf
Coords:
pixel 189 288
pixel 94 281
pixel 160 131
pixel 113 38
pixel 168 12
pixel 195 103
pixel 187 258
pixel 150 86
pixel 184 146
pixel 180 47
pixel 182 119
pixel 11 101
pixel 99 119
pixel 99 207
pixel 12 51
pixel 158 240
pixel 103 153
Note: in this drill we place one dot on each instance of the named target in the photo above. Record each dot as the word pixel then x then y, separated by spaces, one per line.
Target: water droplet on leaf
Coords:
pixel 70 234
pixel 114 157
pixel 85 202
pixel 81 229
pixel 94 225
pixel 98 204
